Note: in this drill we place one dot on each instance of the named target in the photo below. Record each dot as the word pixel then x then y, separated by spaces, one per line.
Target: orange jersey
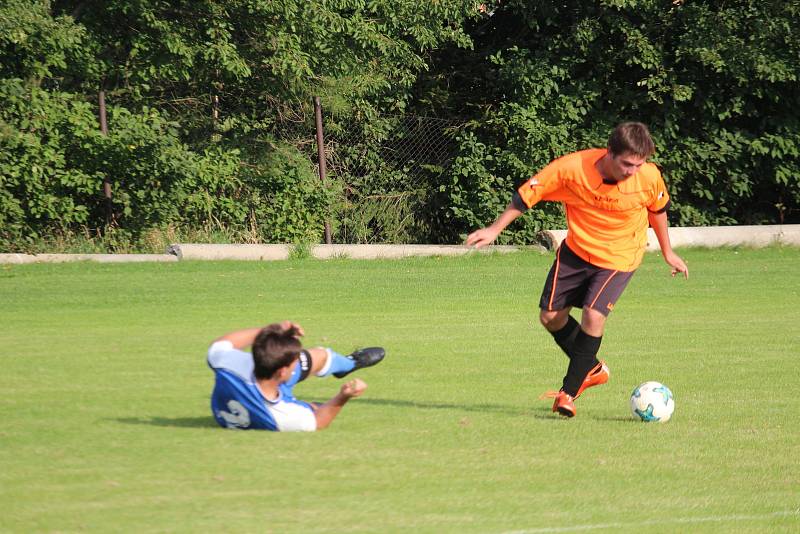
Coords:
pixel 607 223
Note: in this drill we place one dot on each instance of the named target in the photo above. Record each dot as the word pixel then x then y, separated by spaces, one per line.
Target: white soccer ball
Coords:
pixel 652 401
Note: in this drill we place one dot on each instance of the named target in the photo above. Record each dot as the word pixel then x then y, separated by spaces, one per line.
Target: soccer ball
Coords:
pixel 652 401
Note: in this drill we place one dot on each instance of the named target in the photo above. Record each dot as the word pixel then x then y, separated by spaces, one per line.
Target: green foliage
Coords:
pixel 481 187
pixel 157 179
pixel 196 91
pixel 199 93
pixel 380 218
pixel 40 189
pixel 287 202
pixel 54 162
pixel 742 61
pixel 54 179
pixel 382 200
pixel 717 83
pixel 34 44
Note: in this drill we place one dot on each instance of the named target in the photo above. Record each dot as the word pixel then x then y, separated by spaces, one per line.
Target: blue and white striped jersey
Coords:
pixel 236 401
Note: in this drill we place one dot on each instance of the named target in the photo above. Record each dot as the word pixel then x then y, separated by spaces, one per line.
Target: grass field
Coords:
pixel 106 426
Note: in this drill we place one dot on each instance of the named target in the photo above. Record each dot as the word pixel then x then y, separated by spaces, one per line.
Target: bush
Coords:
pixel 285 199
pixel 54 160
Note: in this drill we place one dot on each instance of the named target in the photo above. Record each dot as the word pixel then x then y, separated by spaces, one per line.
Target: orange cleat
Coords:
pixel 564 405
pixel 597 376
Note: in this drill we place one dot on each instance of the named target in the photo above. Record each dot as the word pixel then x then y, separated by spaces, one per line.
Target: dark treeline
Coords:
pixel 210 116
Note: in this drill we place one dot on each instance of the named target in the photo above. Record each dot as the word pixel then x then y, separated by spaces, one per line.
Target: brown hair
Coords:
pixel 275 347
pixel 632 137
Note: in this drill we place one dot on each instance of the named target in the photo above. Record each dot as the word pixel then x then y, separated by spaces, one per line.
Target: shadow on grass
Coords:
pixel 208 421
pixel 618 419
pixel 543 414
pixel 547 413
pixel 486 408
pixel 205 421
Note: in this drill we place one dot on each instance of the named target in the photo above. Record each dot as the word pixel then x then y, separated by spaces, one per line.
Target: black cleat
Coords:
pixel 363 358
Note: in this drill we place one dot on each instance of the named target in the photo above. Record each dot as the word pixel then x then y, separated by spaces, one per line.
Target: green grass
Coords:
pixel 106 427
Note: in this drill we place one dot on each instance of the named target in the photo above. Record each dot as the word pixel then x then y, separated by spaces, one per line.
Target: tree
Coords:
pixel 202 81
pixel 717 83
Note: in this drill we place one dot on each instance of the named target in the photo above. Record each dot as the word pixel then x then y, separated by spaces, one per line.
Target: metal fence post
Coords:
pixel 321 159
pixel 106 182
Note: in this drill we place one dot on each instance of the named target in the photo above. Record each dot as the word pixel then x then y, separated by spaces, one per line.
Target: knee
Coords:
pixel 549 320
pixel 593 322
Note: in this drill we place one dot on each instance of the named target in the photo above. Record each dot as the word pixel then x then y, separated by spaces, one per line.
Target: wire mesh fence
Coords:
pixel 385 169
pixel 382 176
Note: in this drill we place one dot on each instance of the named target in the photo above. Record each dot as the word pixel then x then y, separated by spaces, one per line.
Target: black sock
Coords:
pixel 565 337
pixel 584 358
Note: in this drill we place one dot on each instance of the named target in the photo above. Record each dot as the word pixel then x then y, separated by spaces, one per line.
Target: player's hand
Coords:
pixel 287 326
pixel 353 388
pixel 677 265
pixel 480 238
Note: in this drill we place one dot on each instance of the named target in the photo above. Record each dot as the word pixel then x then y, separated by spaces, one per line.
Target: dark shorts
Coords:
pixel 574 282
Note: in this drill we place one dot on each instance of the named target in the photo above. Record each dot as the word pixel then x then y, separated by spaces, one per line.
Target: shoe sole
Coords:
pixel 566 412
pixel 357 367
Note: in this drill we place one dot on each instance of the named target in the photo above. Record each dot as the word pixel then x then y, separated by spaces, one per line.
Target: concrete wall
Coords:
pixel 101 258
pixel 716 236
pixel 749 236
pixel 196 251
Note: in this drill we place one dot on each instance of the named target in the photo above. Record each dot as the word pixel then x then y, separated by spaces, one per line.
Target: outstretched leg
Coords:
pixel 584 350
pixel 580 342
pixel 326 361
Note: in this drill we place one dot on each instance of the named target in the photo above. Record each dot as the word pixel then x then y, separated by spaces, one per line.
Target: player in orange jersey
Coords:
pixel 611 195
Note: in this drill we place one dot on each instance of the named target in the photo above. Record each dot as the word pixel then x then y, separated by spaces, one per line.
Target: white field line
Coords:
pixel 678 520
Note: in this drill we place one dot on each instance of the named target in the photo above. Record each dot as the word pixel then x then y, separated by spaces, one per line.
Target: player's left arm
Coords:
pixel 326 413
pixel 659 224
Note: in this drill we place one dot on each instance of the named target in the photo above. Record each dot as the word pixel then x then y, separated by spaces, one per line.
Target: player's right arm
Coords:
pixel 327 412
pixel 485 236
pixel 243 338
pixel 531 192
